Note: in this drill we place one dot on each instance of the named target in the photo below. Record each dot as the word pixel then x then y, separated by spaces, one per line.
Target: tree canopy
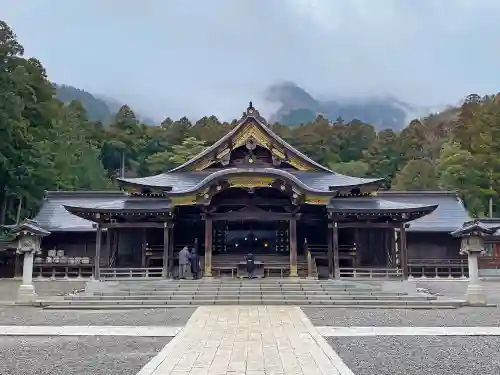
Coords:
pixel 49 144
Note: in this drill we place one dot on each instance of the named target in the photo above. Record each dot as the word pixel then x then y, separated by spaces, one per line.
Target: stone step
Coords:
pixel 299 302
pixel 252 297
pixel 245 293
pixel 270 300
pixel 230 282
pixel 141 307
pixel 237 289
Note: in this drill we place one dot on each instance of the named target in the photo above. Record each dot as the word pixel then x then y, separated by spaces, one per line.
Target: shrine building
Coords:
pixel 250 192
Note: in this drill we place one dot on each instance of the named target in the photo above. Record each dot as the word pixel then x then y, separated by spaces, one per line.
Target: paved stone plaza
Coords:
pixel 253 340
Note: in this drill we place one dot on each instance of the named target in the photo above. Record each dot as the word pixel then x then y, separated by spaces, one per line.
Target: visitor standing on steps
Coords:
pixel 184 262
pixel 195 263
pixel 250 265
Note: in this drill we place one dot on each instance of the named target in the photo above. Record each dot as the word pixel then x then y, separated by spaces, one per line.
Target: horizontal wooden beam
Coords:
pixel 154 224
pixel 358 224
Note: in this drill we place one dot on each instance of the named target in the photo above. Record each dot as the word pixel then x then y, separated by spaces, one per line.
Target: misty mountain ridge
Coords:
pixel 298 106
pixel 99 107
pixel 295 106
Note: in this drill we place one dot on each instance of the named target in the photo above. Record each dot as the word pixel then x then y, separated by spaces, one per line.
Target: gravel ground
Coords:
pixel 147 317
pixel 76 355
pixel 465 316
pixel 8 288
pixel 419 355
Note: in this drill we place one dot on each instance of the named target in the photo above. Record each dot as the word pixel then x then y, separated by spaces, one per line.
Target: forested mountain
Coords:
pixel 97 109
pixel 297 106
pixel 49 144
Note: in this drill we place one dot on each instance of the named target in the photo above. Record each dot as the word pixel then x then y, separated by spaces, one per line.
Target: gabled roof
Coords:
pixel 55 218
pixel 29 226
pixel 477 227
pixel 448 216
pixel 125 204
pixel 187 182
pixel 251 115
pixel 377 206
pixel 490 222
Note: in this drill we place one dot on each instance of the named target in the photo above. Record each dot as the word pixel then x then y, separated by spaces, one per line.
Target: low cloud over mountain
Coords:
pixel 297 106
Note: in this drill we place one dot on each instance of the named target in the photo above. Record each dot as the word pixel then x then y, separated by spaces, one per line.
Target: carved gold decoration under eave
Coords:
pixel 185 200
pixel 250 182
pixel 202 164
pixel 252 130
pixel 317 199
pixel 299 164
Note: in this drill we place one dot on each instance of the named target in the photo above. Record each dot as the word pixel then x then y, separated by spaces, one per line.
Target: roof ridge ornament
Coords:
pixel 253 112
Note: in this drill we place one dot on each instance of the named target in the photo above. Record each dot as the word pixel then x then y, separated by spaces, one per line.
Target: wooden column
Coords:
pixel 107 250
pixel 166 240
pixel 171 248
pixel 97 256
pixel 404 251
pixel 293 247
pixel 144 242
pixel 208 246
pixel 330 250
pixel 335 240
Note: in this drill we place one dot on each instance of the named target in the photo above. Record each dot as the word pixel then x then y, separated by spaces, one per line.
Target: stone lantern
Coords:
pixel 472 244
pixel 29 237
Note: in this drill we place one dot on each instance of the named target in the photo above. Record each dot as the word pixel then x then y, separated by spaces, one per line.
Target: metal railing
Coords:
pixel 126 273
pixel 371 273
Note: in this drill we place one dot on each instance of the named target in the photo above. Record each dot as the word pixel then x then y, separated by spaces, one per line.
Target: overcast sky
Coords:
pixel 197 57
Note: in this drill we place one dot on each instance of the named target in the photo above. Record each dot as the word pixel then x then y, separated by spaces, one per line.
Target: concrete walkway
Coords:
pixel 236 340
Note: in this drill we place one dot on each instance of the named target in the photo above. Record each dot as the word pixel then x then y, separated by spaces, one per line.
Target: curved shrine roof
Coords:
pixel 187 182
pixel 251 113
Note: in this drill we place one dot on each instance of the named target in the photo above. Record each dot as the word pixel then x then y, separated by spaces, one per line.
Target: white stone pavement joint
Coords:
pixel 320 340
pixel 150 367
pixel 136 331
pixel 171 331
pixel 328 331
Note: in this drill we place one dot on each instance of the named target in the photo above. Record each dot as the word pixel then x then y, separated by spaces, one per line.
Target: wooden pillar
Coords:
pixel 330 250
pixel 107 250
pixel 293 247
pixel 404 250
pixel 208 246
pixel 143 247
pixel 171 248
pixel 166 233
pixel 335 241
pixel 97 256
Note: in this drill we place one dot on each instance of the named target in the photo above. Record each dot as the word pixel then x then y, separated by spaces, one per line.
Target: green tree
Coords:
pixel 383 156
pixel 163 161
pixel 120 150
pixel 457 169
pixel 418 174
pixel 355 168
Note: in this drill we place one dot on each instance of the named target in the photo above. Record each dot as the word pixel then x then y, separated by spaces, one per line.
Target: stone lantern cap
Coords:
pixel 475 228
pixel 28 227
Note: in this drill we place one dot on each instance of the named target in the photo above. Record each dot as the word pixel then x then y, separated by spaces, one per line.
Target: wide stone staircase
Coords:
pixel 140 294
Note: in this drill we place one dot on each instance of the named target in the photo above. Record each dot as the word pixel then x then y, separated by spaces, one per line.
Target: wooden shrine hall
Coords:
pixel 250 192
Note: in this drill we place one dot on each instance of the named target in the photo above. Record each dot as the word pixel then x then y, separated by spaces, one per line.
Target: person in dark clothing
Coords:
pixel 195 263
pixel 250 261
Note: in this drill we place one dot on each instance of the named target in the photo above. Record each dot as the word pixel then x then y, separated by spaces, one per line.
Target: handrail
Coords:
pixel 119 273
pixel 371 273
